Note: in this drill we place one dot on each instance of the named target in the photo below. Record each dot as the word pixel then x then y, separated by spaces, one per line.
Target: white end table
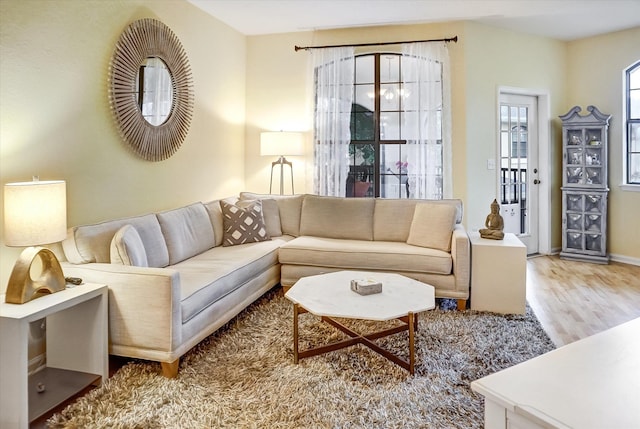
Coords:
pixel 591 383
pixel 77 351
pixel 498 274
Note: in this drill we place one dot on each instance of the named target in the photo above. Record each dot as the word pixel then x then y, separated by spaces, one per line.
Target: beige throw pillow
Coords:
pixel 127 248
pixel 432 226
pixel 243 223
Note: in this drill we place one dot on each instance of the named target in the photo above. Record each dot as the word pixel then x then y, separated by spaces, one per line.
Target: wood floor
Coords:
pixel 574 300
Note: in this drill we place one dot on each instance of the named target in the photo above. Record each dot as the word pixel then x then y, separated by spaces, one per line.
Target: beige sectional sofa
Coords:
pixel 177 276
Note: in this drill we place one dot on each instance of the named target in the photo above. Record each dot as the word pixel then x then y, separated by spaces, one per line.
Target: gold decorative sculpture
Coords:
pixel 22 288
pixel 494 223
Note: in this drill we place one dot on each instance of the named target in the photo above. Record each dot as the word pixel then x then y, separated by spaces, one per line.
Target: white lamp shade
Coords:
pixel 281 143
pixel 35 213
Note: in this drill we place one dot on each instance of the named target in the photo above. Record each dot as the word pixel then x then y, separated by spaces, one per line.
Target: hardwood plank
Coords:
pixel 574 300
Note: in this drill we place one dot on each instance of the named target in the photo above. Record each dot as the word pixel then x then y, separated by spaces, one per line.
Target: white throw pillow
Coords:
pixel 432 226
pixel 127 248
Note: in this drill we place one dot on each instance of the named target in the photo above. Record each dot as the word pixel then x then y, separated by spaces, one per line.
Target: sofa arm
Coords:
pixel 461 257
pixel 144 303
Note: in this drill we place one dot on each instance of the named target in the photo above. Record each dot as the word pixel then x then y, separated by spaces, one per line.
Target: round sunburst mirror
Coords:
pixel 151 89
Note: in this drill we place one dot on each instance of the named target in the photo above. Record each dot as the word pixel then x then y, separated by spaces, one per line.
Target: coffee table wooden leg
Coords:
pixel 412 326
pixel 295 333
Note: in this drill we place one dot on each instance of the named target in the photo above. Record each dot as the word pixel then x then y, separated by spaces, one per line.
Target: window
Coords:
pixel 632 125
pixel 383 123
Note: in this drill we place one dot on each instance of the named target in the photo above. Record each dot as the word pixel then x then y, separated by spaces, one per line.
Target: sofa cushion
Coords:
pixel 187 231
pixel 215 215
pixel 214 274
pixel 289 208
pixel 127 248
pixel 92 243
pixel 392 219
pixel 432 225
pixel 364 255
pixel 271 215
pixel 334 217
pixel 243 223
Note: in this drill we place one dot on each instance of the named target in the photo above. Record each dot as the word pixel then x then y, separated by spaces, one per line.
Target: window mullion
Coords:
pixel 376 125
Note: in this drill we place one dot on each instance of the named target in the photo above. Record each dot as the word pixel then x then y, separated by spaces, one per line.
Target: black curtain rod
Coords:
pixel 306 48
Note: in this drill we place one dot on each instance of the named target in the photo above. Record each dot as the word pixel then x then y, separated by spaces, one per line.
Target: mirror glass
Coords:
pixel 154 91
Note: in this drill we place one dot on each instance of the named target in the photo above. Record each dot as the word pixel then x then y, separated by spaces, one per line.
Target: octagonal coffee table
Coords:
pixel 330 296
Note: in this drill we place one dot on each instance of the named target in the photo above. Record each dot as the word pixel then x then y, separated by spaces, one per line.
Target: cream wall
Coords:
pixel 595 67
pixel 497 58
pixel 279 96
pixel 55 120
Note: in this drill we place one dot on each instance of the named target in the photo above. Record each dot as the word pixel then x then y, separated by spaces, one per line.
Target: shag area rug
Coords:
pixel 243 376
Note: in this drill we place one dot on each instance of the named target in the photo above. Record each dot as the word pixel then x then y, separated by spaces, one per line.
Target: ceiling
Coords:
pixel 558 19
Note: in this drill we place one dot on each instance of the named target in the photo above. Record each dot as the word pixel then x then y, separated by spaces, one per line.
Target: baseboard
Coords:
pixel 614 257
pixel 624 259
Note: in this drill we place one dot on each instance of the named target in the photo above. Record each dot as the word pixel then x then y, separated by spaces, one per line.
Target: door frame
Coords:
pixel 544 159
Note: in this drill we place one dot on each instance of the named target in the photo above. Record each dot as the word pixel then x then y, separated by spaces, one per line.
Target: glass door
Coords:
pixel 518 172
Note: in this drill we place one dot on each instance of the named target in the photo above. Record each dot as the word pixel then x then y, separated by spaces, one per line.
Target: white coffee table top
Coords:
pixel 331 295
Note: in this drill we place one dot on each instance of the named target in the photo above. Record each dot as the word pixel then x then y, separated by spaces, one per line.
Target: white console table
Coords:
pixel 498 274
pixel 76 346
pixel 593 383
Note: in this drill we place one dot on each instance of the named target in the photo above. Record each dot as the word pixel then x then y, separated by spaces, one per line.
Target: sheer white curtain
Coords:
pixel 427 119
pixel 333 73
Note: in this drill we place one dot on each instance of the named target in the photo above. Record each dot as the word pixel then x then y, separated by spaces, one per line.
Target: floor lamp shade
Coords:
pixel 35 213
pixel 281 143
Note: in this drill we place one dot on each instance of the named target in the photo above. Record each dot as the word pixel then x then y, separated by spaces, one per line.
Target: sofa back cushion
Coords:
pixel 392 217
pixel 289 207
pixel 335 217
pixel 215 216
pixel 187 231
pixel 92 243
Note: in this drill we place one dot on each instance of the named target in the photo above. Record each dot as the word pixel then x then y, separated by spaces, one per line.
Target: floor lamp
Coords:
pixel 35 213
pixel 281 143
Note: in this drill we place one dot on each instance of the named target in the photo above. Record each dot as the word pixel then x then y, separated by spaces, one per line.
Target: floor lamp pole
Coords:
pixel 281 162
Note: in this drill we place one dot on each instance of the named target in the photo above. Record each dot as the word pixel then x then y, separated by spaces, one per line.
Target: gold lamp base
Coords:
pixel 22 288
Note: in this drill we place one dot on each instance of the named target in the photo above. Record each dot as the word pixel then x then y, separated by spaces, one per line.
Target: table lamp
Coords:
pixel 35 213
pixel 281 143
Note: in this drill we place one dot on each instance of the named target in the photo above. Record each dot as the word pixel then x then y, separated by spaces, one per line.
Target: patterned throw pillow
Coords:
pixel 243 223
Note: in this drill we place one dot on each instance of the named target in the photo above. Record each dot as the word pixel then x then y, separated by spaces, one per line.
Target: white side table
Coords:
pixel 498 274
pixel 591 383
pixel 77 351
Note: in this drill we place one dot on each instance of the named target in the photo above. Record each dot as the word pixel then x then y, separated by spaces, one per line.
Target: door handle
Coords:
pixel 536 181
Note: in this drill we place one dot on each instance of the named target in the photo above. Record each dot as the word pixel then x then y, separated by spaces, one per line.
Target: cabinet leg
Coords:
pixel 462 304
pixel 170 369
